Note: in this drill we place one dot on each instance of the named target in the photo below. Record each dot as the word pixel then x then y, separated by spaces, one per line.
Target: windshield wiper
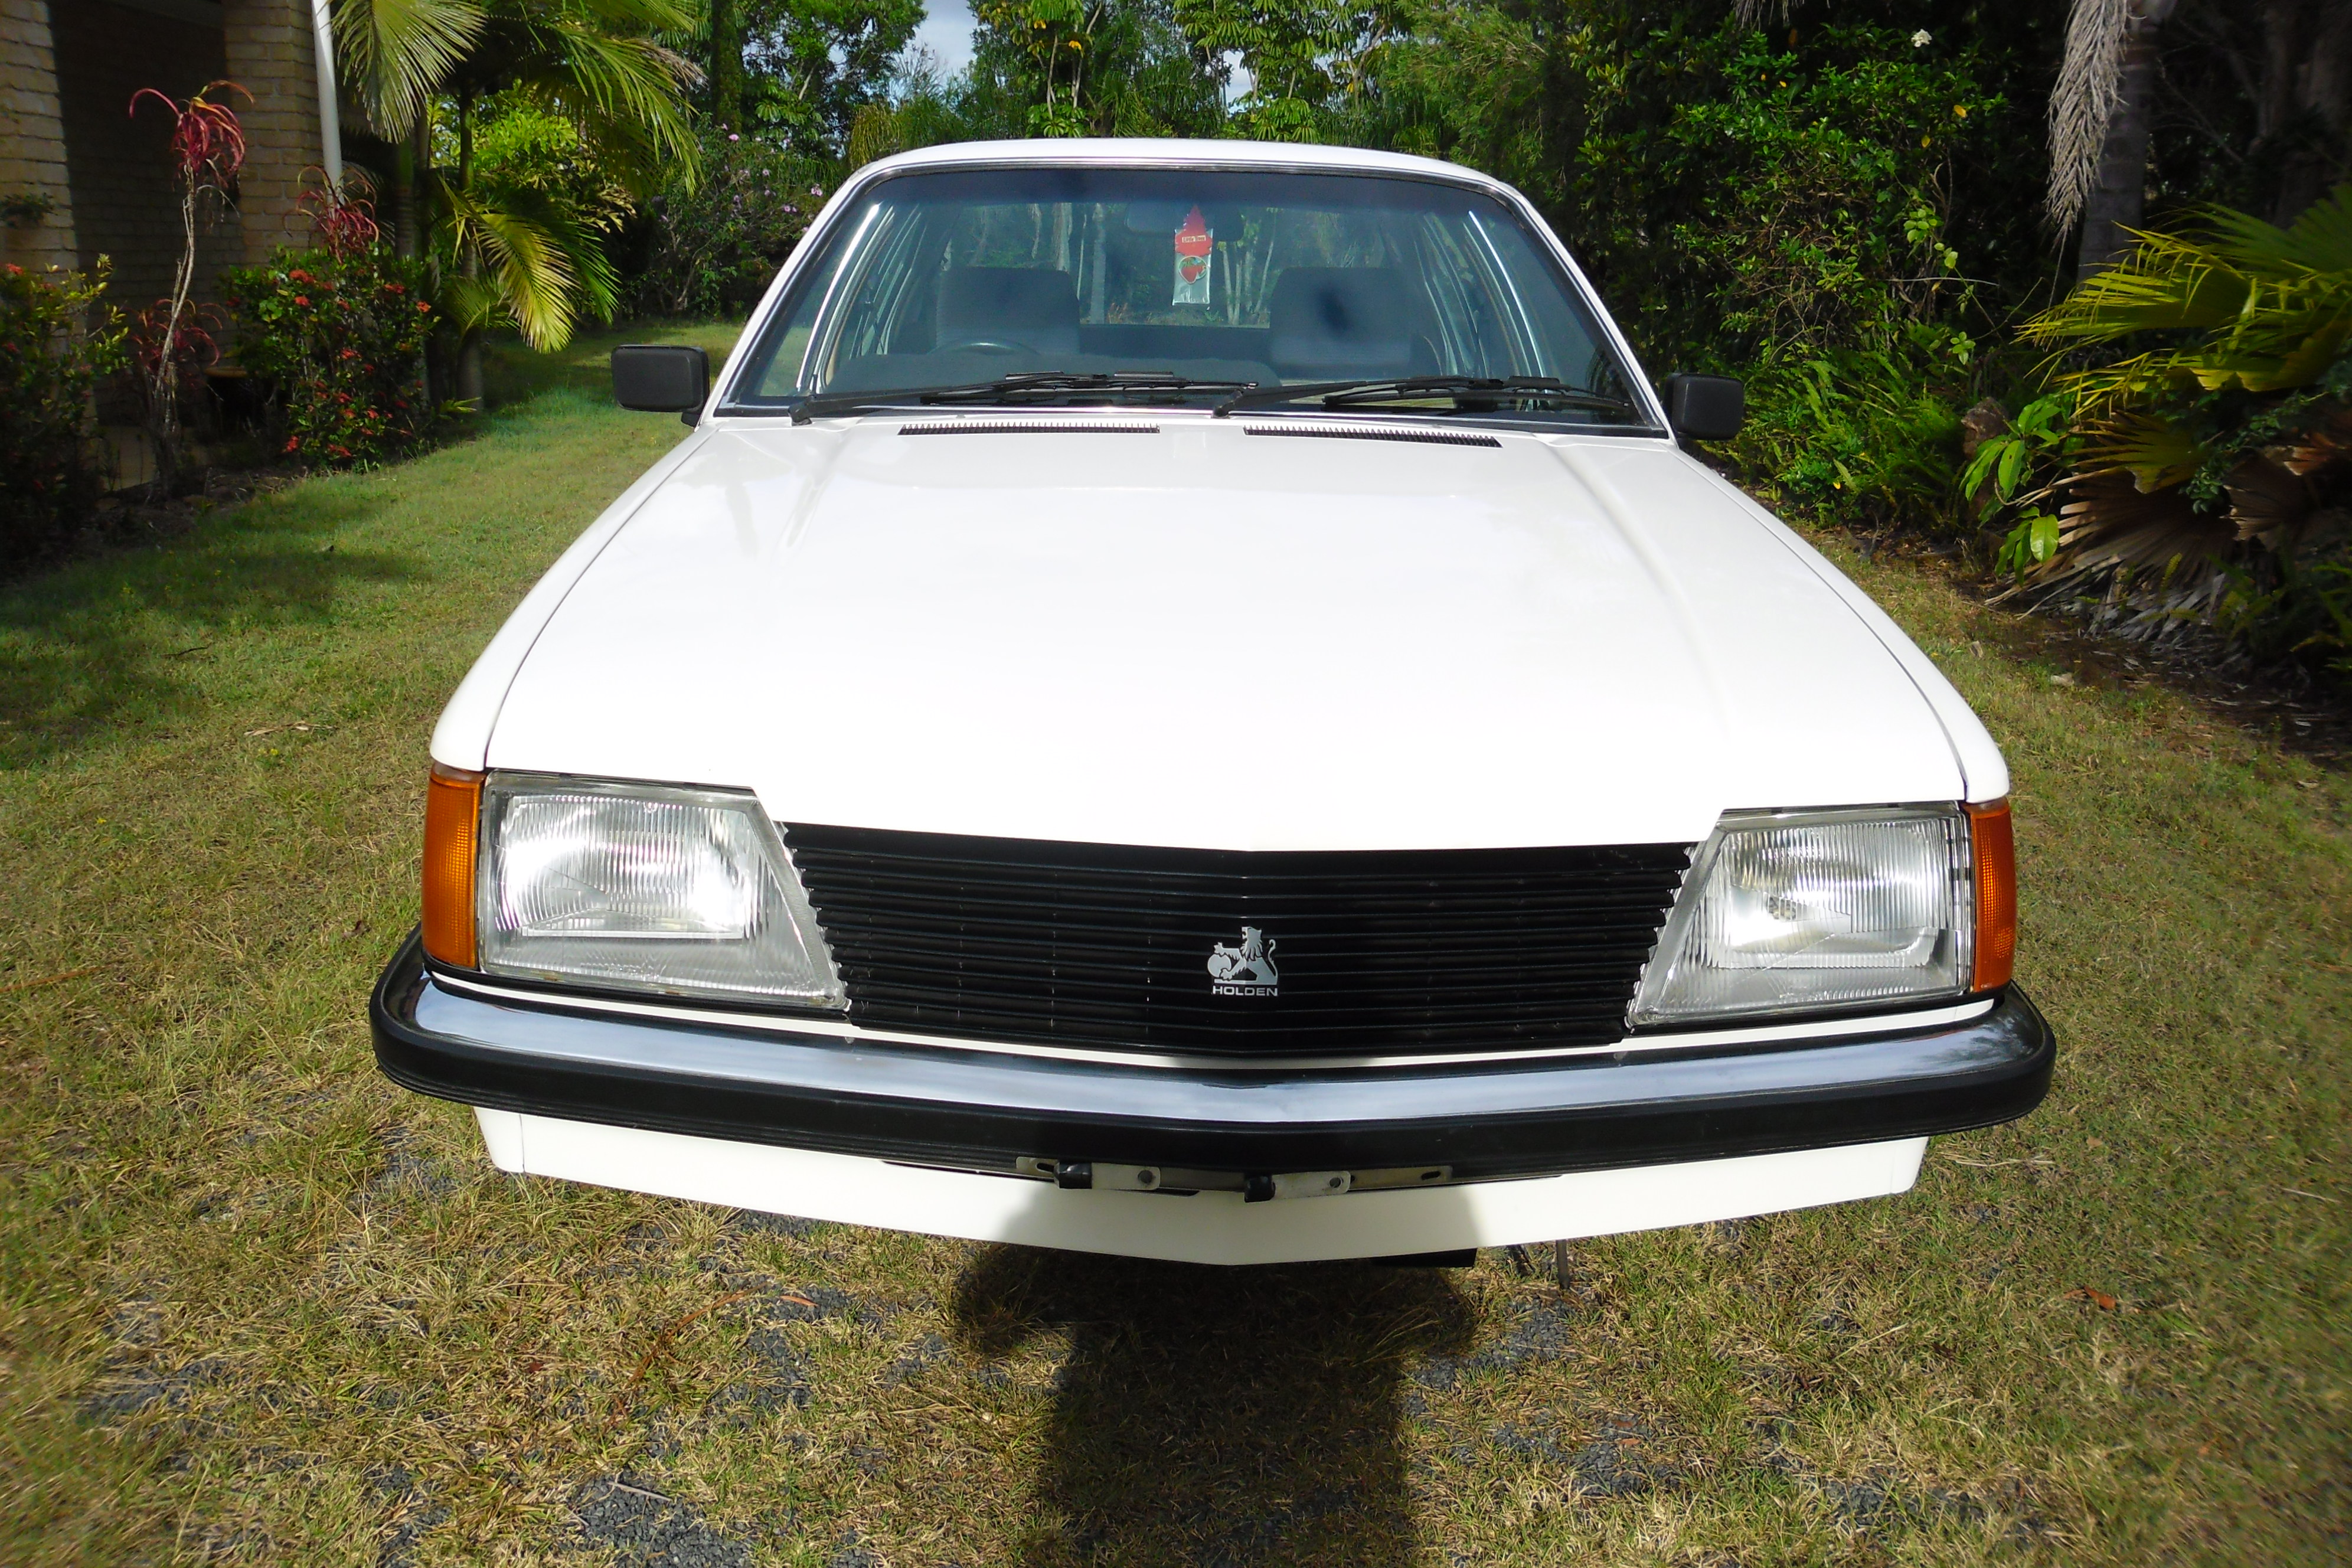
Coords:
pixel 1469 392
pixel 1029 386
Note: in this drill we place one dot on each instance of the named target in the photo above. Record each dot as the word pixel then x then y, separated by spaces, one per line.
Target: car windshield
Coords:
pixel 1158 285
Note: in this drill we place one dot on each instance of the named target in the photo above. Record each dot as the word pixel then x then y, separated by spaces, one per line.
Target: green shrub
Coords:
pixel 715 245
pixel 1784 205
pixel 58 341
pixel 1861 437
pixel 343 340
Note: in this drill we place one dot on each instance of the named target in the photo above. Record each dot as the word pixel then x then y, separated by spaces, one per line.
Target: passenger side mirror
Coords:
pixel 661 378
pixel 1705 407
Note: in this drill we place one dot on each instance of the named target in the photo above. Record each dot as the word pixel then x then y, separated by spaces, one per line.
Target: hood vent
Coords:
pixel 1376 433
pixel 1027 427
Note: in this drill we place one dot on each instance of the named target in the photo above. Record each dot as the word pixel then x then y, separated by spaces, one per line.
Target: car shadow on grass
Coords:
pixel 1218 1415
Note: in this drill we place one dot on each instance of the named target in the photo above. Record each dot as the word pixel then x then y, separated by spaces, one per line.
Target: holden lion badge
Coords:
pixel 1244 971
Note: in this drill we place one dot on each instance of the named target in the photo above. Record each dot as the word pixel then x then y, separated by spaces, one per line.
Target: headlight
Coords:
pixel 645 888
pixel 1799 910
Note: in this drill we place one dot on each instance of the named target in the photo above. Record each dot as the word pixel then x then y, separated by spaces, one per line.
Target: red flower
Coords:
pixel 302 299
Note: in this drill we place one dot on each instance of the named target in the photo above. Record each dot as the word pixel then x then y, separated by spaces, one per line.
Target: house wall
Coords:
pixel 269 46
pixel 126 204
pixel 32 138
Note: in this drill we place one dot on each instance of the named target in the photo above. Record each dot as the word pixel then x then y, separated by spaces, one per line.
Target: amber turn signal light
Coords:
pixel 1993 848
pixel 453 816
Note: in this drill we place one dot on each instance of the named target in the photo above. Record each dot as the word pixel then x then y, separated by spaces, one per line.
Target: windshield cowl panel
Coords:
pixel 1279 291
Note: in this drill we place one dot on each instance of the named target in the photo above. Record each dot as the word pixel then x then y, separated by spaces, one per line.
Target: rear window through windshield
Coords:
pixel 964 277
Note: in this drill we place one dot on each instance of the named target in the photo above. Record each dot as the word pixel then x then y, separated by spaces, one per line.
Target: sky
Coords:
pixel 945 31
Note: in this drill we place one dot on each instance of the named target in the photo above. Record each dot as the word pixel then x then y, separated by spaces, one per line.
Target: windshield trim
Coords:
pixel 846 201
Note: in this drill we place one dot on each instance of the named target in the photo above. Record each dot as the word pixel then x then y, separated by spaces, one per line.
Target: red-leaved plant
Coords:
pixel 342 216
pixel 171 347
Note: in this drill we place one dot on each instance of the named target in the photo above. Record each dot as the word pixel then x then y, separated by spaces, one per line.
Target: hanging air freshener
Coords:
pixel 1193 243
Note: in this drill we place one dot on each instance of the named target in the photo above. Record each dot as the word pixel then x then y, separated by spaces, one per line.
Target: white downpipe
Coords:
pixel 331 128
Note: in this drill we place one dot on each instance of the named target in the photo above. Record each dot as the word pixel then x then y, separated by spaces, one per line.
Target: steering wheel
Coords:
pixel 983 345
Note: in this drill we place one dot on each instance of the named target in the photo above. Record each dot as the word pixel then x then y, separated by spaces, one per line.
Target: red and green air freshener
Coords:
pixel 1193 243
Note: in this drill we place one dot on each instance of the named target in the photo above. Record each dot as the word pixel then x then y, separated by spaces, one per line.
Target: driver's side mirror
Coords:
pixel 1705 407
pixel 661 378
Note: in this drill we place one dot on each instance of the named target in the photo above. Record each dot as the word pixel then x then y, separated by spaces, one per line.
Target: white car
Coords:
pixel 1184 700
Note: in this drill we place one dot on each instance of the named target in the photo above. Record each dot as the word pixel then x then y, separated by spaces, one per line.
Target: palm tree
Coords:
pixel 2098 125
pixel 512 254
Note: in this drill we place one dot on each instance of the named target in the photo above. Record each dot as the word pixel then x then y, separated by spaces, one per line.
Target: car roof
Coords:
pixel 1171 152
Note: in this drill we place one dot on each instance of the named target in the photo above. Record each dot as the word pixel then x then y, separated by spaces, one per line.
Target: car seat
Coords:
pixel 1334 323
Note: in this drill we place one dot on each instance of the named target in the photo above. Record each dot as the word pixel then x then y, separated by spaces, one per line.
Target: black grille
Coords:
pixel 1106 945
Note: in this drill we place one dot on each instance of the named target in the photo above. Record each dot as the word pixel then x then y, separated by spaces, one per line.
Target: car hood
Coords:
pixel 1217 633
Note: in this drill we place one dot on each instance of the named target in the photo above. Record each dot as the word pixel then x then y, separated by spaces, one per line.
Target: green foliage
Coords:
pixel 1051 39
pixel 1728 188
pixel 515 222
pixel 2219 437
pixel 523 144
pixel 811 66
pixel 343 340
pixel 1785 206
pixel 58 342
pixel 2299 609
pixel 714 245
pixel 2013 472
pixel 1135 73
pixel 1862 436
pixel 1303 56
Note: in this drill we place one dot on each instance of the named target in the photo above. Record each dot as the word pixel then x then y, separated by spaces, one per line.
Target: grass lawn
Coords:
pixel 258 1305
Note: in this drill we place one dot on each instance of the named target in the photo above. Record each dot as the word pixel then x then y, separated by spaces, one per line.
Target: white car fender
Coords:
pixel 462 737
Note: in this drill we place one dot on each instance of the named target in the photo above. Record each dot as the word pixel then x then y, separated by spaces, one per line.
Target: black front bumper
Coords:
pixel 981 1109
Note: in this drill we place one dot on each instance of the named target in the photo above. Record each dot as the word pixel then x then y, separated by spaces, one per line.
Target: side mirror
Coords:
pixel 661 378
pixel 1705 407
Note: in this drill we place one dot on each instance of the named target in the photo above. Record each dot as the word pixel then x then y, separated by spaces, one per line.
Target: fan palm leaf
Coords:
pixel 2273 306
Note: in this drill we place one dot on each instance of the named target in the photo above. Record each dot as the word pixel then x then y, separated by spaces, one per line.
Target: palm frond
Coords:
pixel 2273 306
pixel 533 276
pixel 2083 103
pixel 626 94
pixel 395 54
pixel 2156 452
pixel 2110 521
pixel 2267 501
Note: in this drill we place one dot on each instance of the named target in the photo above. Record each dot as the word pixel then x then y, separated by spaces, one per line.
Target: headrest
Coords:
pixel 1338 321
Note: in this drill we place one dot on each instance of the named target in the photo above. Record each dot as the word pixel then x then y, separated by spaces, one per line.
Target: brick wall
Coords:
pixel 269 48
pixel 126 206
pixel 31 137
